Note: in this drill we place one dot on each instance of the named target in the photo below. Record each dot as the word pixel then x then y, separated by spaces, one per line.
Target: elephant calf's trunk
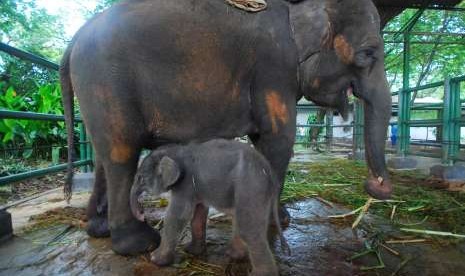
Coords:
pixel 136 207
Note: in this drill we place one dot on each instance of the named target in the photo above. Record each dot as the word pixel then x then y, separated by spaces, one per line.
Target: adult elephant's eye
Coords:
pixel 370 52
pixel 365 57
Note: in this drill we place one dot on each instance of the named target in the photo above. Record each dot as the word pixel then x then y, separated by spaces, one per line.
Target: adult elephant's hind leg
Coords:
pixel 128 235
pixel 97 210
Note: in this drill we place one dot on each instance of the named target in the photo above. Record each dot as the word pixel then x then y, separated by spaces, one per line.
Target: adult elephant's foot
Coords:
pixel 97 227
pixel 134 238
pixel 162 258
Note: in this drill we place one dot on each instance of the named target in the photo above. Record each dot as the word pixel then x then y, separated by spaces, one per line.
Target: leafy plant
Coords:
pixel 30 133
pixel 9 166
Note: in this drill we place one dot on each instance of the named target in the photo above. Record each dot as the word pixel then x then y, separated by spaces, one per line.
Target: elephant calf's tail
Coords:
pixel 68 106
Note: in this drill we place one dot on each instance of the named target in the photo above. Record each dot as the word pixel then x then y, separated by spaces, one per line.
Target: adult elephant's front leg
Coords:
pixel 128 235
pixel 277 149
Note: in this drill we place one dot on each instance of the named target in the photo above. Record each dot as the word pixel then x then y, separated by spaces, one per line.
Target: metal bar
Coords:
pixel 28 56
pixel 429 144
pixel 323 125
pixel 411 23
pixel 26 199
pixel 458 79
pixel 428 33
pixel 456 115
pixel 427 105
pixel 427 42
pixel 425 154
pixel 329 129
pixel 426 86
pixel 8 114
pixel 446 117
pixel 441 8
pixel 90 155
pixel 357 139
pixel 421 87
pixel 419 123
pixel 309 107
pixel 404 98
pixel 40 172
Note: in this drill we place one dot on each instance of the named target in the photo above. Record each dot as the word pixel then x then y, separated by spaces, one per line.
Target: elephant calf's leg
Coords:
pixel 197 245
pixel 178 215
pixel 128 235
pixel 252 229
pixel 97 210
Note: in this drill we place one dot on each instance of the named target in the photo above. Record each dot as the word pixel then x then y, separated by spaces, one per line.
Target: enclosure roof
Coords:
pixel 416 3
pixel 388 9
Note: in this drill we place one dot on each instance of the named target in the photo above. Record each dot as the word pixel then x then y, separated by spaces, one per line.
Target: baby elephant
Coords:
pixel 227 175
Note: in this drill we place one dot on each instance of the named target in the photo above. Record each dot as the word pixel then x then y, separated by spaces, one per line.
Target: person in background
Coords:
pixel 393 135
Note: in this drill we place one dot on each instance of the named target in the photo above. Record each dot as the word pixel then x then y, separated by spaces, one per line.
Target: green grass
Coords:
pixel 341 181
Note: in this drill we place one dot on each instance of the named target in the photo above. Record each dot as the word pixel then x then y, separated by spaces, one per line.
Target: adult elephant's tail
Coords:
pixel 68 106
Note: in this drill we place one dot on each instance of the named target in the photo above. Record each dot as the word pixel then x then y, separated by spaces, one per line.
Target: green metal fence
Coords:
pixel 450 121
pixel 86 152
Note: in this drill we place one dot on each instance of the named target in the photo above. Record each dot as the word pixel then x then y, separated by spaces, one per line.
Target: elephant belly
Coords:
pixel 201 125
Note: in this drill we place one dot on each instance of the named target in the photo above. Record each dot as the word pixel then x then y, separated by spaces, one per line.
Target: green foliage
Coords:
pixel 25 86
pixel 30 133
pixel 428 62
pixel 102 5
pixel 27 27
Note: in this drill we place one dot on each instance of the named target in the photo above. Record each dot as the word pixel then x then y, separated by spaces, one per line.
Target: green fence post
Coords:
pixel 451 126
pixel 404 102
pixel 358 145
pixel 90 154
pixel 455 116
pixel 329 129
pixel 82 145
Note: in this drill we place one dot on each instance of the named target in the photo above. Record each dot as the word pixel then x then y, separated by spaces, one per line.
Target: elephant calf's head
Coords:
pixel 156 175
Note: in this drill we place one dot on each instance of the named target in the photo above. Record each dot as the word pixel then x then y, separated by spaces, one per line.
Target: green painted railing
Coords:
pixel 86 156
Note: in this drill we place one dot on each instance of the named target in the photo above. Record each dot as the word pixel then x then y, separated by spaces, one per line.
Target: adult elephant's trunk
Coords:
pixel 377 102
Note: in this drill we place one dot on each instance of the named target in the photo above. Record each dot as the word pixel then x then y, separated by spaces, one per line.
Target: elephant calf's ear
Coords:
pixel 169 171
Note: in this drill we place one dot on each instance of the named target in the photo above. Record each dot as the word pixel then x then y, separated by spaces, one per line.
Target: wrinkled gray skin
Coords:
pixel 227 175
pixel 154 72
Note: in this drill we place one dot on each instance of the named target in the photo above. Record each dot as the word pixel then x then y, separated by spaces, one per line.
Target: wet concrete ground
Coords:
pixel 319 246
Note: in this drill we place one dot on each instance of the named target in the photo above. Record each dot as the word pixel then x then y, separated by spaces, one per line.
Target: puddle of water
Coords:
pixel 319 247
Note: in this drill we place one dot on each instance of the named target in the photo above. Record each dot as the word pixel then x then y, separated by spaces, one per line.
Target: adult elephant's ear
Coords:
pixel 311 27
pixel 169 171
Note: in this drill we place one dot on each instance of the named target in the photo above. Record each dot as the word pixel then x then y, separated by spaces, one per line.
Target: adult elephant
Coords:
pixel 150 72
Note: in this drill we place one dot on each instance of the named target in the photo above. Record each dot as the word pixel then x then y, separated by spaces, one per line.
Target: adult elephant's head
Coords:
pixel 341 52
